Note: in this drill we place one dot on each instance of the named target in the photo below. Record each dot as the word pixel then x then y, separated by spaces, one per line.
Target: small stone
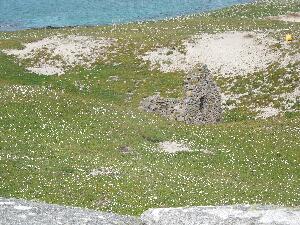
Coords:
pixel 113 78
pixel 125 149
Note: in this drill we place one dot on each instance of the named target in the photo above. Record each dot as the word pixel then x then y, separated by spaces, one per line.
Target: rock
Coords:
pixel 113 78
pixel 125 149
pixel 201 104
pixel 21 212
pixel 223 215
pixel 129 96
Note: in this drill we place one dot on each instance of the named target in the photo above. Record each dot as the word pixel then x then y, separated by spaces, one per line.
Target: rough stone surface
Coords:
pixel 200 105
pixel 160 105
pixel 21 212
pixel 223 215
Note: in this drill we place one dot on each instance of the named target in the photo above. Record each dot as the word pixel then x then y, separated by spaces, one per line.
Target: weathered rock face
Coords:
pixel 160 105
pixel 20 212
pixel 223 215
pixel 200 105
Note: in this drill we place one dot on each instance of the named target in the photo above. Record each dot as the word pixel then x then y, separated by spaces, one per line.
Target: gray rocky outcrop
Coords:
pixel 223 215
pixel 201 103
pixel 21 212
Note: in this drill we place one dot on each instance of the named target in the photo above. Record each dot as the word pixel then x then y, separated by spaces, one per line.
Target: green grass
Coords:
pixel 55 130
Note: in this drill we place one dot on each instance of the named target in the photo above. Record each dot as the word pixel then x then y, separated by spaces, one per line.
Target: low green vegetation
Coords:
pixel 56 132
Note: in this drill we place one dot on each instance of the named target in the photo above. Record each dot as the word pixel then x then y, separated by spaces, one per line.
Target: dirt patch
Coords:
pixel 291 99
pixel 55 55
pixel 291 17
pixel 173 147
pixel 267 112
pixel 227 54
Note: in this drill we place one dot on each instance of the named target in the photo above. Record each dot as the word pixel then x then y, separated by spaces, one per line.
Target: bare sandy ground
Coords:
pixel 54 55
pixel 227 54
pixel 230 54
pixel 291 17
pixel 267 112
pixel 173 147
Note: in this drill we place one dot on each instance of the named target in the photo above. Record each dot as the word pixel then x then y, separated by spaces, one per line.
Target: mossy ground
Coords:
pixel 54 130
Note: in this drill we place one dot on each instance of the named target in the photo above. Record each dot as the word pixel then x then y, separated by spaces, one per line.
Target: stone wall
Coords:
pixel 200 105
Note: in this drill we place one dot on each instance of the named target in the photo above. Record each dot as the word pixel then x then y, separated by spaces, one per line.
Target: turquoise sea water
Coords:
pixel 24 14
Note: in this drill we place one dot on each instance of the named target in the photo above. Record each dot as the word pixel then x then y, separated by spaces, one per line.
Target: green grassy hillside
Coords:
pixel 56 130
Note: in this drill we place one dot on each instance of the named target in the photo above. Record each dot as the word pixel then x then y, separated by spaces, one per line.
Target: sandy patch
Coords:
pixel 291 99
pixel 291 17
pixel 46 69
pixel 173 147
pixel 267 112
pixel 105 171
pixel 290 59
pixel 233 99
pixel 54 55
pixel 228 54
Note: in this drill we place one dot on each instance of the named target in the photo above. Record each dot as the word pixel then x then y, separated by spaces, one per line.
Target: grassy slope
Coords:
pixel 53 134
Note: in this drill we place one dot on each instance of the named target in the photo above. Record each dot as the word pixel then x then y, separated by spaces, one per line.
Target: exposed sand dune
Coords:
pixel 291 17
pixel 54 55
pixel 227 54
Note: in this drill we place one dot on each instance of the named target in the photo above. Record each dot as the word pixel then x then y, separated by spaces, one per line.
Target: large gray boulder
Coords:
pixel 223 215
pixel 21 212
